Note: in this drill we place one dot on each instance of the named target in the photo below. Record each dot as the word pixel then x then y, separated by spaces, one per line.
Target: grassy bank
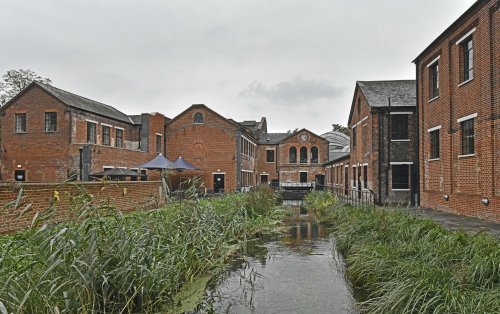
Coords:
pixel 139 262
pixel 411 265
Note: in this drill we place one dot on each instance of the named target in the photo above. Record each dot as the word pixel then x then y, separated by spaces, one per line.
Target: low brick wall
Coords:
pixel 39 197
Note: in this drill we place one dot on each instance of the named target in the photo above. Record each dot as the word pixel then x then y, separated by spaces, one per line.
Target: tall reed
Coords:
pixel 111 262
pixel 412 265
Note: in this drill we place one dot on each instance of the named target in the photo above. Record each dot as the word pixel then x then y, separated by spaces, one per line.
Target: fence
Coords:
pixel 360 198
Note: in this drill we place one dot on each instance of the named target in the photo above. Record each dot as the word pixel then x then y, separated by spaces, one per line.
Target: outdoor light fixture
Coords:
pixel 485 201
pixel 446 197
pixel 19 166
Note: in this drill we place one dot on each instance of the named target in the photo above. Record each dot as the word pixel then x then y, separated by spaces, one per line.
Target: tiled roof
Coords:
pixel 401 92
pixel 272 138
pixel 86 104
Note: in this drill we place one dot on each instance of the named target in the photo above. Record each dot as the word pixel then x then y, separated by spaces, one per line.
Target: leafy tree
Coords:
pixel 15 81
pixel 341 128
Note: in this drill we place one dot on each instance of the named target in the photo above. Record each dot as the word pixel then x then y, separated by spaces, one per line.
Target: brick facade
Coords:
pixel 124 196
pixel 456 180
pixel 55 156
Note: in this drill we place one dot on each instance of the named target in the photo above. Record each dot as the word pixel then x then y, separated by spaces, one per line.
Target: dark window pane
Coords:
pixel 119 138
pixel 468 62
pixel 365 177
pixel 106 135
pixel 314 154
pixel 399 126
pixel 467 137
pixel 270 155
pixel 198 117
pixel 354 137
pixel 303 155
pixel 293 155
pixel 20 125
pixel 91 133
pixel 434 79
pixel 400 177
pixel 50 121
pixel 434 144
pixel 158 143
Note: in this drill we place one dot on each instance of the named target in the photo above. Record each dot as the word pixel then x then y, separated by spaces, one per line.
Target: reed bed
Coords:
pixel 116 263
pixel 406 264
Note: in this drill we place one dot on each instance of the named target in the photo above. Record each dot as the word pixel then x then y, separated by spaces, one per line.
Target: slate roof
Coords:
pixel 86 104
pixel 402 93
pixel 273 138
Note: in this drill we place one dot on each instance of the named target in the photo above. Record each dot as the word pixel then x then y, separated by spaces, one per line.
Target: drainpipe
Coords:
pixel 380 147
pixel 416 170
pixel 389 136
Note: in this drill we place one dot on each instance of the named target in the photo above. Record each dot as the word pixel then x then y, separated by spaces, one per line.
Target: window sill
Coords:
pixel 434 159
pixel 465 82
pixel 401 190
pixel 407 140
pixel 20 132
pixel 269 162
pixel 465 156
pixel 432 99
pixel 197 122
pixel 51 131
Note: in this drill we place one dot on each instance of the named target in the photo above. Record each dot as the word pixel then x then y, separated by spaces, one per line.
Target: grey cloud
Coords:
pixel 295 91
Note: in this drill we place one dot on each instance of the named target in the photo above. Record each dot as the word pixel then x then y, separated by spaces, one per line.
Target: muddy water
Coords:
pixel 299 273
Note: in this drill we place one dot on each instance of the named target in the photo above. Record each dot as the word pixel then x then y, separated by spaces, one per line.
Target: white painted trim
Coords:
pixel 365 164
pixel 159 134
pixel 468 155
pixel 401 163
pixel 117 127
pixel 341 163
pixel 402 140
pixel 365 125
pixel 433 159
pixel 464 37
pixel 247 170
pixel 251 142
pixel 105 124
pixel 354 166
pixel 91 121
pixel 434 128
pixel 465 82
pixel 400 190
pixel 432 99
pixel 471 116
pixel 346 166
pixel 401 112
pixel 433 61
pixel 365 118
pixel 218 173
pixel 121 167
pixel 134 169
pixel 107 167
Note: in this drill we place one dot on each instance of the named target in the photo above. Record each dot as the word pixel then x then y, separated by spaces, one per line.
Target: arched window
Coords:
pixel 314 154
pixel 198 117
pixel 303 155
pixel 293 155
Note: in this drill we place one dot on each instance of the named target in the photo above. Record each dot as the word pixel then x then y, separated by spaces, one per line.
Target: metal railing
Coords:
pixel 360 198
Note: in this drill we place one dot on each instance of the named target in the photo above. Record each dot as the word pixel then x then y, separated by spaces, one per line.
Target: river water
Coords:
pixel 298 273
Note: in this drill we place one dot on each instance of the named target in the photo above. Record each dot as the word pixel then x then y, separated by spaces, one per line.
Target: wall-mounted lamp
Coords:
pixel 263 172
pixel 446 197
pixel 19 166
pixel 218 170
pixel 485 201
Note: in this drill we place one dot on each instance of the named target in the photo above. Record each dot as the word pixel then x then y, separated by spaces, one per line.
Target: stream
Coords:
pixel 298 273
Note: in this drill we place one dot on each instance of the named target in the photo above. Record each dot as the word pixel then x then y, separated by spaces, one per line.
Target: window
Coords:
pixel 198 117
pixel 270 155
pixel 20 126
pixel 467 59
pixel 158 143
pixel 314 154
pixel 303 155
pixel 399 126
pixel 434 80
pixel 293 155
pixel 354 133
pixel 20 175
pixel 118 137
pixel 354 177
pixel 364 136
pixel 106 135
pixel 50 121
pixel 400 177
pixel 91 132
pixel 365 177
pixel 303 177
pixel 467 136
pixel 434 135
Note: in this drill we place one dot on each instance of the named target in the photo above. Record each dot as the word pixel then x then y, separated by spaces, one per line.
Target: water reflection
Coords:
pixel 298 273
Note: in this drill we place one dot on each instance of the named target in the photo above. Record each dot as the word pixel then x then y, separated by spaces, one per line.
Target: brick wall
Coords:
pixel 125 196
pixel 264 167
pixel 211 145
pixel 465 179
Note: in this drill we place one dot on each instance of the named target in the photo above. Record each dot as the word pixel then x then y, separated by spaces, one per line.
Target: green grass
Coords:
pixel 110 262
pixel 410 265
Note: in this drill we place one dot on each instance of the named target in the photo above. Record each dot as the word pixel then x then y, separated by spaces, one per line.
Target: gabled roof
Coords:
pixel 85 104
pixel 401 92
pixel 289 135
pixel 272 138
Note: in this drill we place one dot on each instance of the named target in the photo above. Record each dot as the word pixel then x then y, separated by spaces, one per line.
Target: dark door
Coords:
pixel 218 182
pixel 303 177
pixel 359 183
pixel 320 179
pixel 263 178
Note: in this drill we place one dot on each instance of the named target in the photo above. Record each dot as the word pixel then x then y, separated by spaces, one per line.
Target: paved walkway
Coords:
pixel 454 221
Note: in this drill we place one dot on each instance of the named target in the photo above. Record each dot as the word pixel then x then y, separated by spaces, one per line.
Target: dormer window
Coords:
pixel 198 118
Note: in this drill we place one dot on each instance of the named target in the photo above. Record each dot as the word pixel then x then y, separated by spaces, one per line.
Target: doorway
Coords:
pixel 218 182
pixel 303 177
pixel 264 178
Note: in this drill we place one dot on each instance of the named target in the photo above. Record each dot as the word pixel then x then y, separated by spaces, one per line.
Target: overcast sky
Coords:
pixel 293 61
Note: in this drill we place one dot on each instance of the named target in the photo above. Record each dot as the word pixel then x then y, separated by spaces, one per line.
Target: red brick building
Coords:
pixel 458 94
pixel 51 135
pixel 237 155
pixel 383 149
